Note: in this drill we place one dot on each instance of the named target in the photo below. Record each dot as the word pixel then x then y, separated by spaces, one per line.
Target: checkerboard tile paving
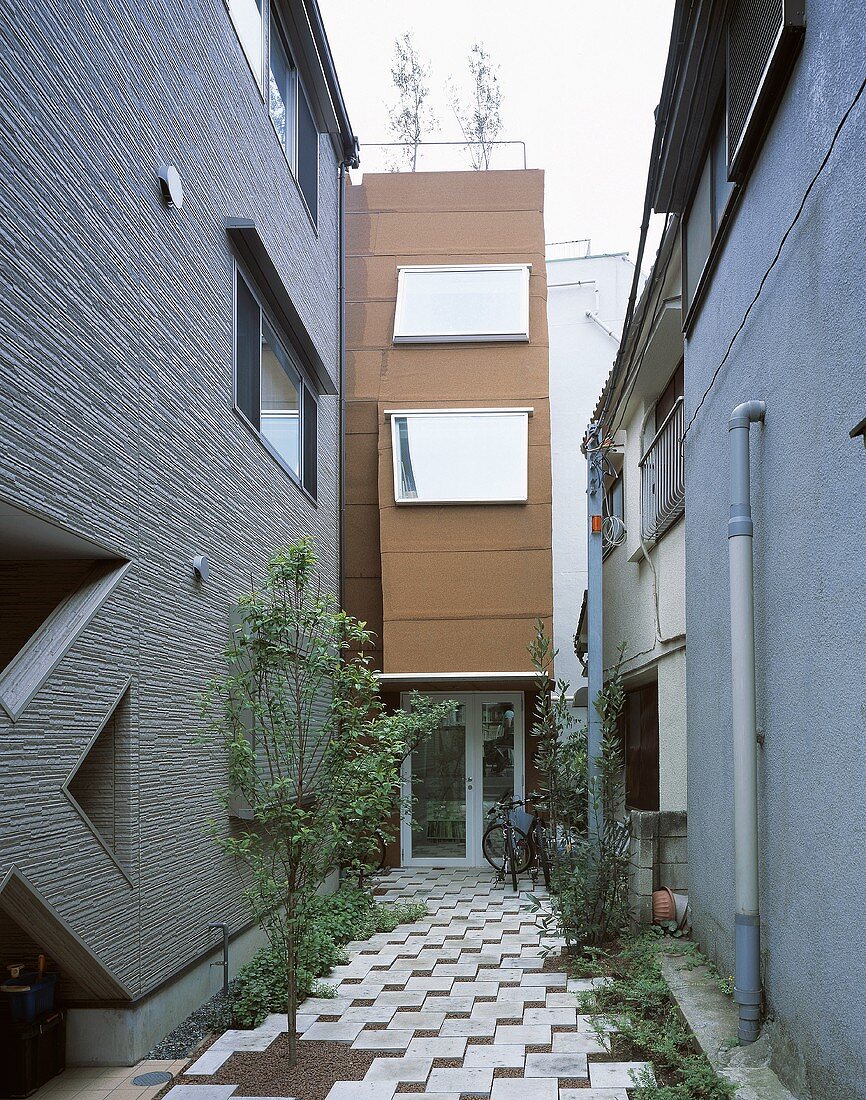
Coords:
pixel 465 985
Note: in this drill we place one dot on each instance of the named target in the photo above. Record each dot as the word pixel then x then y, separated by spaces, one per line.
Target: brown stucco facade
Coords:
pixel 450 589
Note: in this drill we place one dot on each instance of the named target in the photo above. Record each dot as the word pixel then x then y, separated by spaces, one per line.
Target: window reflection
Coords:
pixel 460 457
pixel 281 387
pixel 439 786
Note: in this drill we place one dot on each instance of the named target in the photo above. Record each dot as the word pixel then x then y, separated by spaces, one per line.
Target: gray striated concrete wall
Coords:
pixel 117 423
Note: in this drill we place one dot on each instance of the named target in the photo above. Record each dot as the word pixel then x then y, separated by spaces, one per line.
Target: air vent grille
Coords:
pixel 762 35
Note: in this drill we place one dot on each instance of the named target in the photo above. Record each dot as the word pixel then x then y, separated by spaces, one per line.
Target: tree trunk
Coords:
pixel 292 979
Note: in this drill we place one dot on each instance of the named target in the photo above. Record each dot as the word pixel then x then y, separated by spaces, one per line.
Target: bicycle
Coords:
pixel 505 845
pixel 531 844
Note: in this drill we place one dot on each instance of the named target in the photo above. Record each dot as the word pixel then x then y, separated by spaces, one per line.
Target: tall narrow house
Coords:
pixel 448 494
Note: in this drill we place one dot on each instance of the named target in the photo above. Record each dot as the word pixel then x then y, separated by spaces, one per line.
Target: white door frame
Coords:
pixel 472 701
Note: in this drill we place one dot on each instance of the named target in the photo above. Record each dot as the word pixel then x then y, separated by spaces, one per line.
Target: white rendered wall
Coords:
pixel 629 600
pixel 581 355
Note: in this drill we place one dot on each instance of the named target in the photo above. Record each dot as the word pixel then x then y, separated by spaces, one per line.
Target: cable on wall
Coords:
pixel 775 259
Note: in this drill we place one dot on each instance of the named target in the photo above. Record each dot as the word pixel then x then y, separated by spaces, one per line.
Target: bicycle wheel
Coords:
pixel 541 842
pixel 493 846
pixel 511 855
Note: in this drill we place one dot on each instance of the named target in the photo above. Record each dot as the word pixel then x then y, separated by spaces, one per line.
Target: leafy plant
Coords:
pixel 412 115
pixel 480 115
pixel 589 896
pixel 335 920
pixel 648 1026
pixel 311 754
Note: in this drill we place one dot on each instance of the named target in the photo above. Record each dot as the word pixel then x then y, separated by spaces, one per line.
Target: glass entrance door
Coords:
pixel 474 758
pixel 438 782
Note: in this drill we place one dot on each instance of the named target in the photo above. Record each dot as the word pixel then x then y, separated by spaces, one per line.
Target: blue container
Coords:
pixel 25 1004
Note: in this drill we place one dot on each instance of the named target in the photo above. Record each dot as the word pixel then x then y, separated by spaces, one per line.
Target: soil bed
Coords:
pixel 319 1065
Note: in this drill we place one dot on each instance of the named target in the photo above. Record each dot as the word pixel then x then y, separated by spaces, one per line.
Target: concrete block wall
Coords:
pixel 658 858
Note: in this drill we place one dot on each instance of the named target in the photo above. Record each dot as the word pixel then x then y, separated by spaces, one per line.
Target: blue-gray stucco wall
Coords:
pixel 803 351
pixel 117 423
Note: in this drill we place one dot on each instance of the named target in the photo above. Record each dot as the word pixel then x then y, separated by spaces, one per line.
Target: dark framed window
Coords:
pixel 271 390
pixel 308 155
pixel 668 397
pixel 639 728
pixel 706 211
pixel 287 101
pixel 282 89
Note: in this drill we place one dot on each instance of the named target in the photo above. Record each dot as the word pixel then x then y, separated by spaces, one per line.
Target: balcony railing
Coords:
pixel 662 485
pixel 441 156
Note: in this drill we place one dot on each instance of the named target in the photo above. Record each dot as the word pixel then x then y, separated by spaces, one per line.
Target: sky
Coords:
pixel 580 80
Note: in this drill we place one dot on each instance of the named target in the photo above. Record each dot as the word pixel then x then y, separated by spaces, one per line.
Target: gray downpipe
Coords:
pixel 747 978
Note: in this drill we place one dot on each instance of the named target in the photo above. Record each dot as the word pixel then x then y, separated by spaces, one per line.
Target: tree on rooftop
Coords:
pixel 413 116
pixel 480 114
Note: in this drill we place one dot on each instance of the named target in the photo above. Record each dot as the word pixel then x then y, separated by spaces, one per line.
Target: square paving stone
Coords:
pixel 495 1057
pixel 496 1010
pixel 560 1017
pixel 399 1069
pixel 593 1094
pixel 478 1028
pixel 456 970
pixel 523 1034
pixel 515 1088
pixel 361 1090
pixel 543 978
pixel 439 1046
pixel 201 1092
pixel 405 998
pixel 368 1014
pixel 209 1062
pixel 429 1096
pixel 556 1065
pixel 392 1042
pixel 417 1021
pixel 324 1006
pixel 442 983
pixel 449 1003
pixel 577 1042
pixel 460 1081
pixel 518 995
pixel 475 989
pixel 609 1075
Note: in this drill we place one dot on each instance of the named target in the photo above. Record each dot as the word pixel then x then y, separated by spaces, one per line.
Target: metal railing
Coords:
pixel 662 482
pixel 440 156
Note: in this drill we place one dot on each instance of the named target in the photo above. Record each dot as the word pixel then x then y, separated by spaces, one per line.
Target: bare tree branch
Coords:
pixel 480 115
pixel 412 117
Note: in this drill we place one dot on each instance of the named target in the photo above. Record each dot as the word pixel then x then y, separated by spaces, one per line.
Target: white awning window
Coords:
pixel 460 456
pixel 479 302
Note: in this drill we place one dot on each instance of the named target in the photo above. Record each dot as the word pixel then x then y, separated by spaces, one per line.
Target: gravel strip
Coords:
pixel 187 1036
pixel 319 1065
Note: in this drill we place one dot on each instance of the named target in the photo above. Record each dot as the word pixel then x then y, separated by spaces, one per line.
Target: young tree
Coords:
pixel 310 751
pixel 479 116
pixel 413 115
pixel 589 897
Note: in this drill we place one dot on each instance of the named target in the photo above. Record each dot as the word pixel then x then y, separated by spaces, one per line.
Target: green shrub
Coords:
pixel 648 1024
pixel 261 986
